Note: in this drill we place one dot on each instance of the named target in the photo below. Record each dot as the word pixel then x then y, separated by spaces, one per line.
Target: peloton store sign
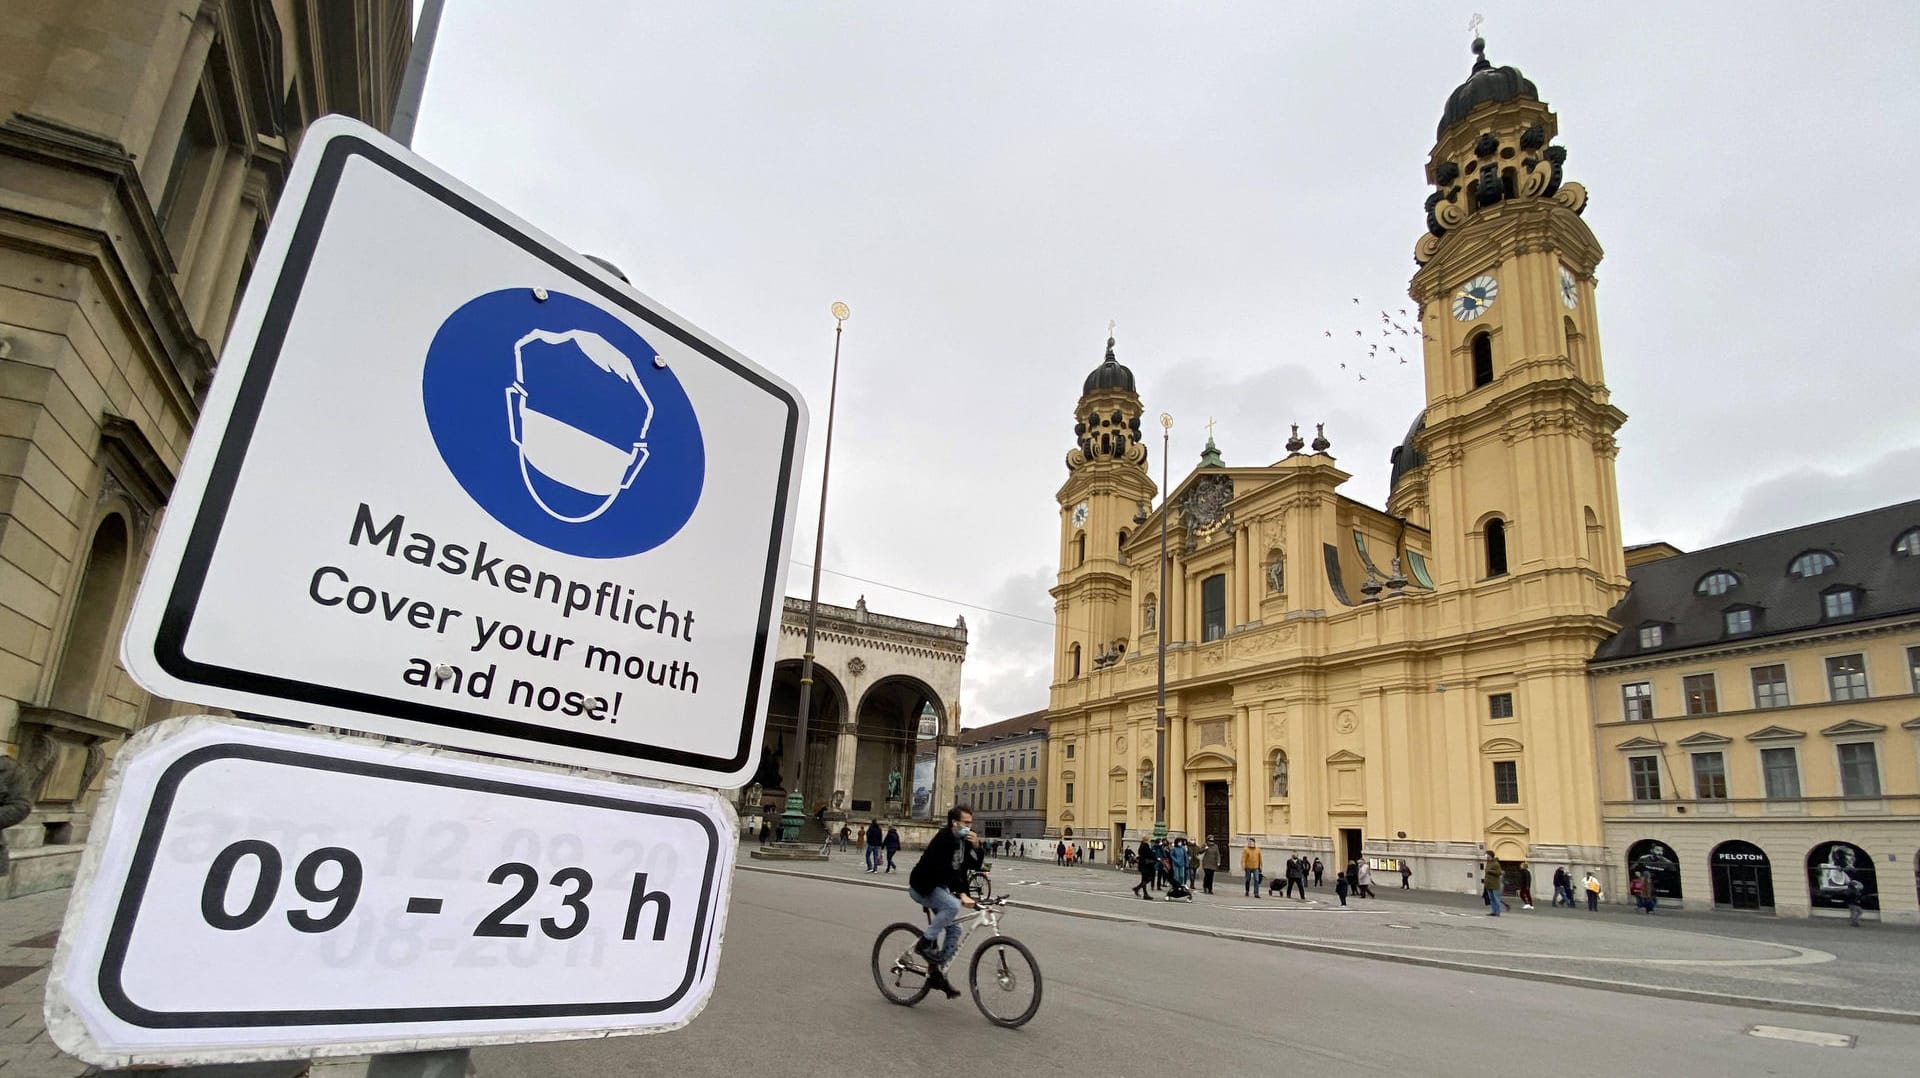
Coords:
pixel 453 483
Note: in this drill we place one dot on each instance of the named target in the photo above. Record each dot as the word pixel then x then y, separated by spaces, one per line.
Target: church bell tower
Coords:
pixel 1515 461
pixel 1107 483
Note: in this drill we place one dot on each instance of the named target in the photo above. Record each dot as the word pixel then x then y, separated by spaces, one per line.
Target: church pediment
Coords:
pixel 1208 758
pixel 1116 772
pixel 1853 726
pixel 1506 825
pixel 1704 738
pixel 1910 724
pixel 1500 744
pixel 1346 756
pixel 1776 733
pixel 1640 743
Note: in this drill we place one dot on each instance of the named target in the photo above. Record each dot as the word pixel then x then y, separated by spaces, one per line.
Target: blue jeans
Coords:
pixel 946 910
pixel 873 857
pixel 1493 899
pixel 1253 882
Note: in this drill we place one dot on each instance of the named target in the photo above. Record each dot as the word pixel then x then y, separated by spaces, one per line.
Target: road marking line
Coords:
pixel 1802 1036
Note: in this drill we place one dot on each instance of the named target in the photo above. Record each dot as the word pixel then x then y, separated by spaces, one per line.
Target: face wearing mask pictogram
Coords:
pixel 579 415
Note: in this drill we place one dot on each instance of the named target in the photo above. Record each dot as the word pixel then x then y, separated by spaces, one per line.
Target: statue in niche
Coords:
pixel 1146 783
pixel 1277 576
pixel 1149 614
pixel 893 785
pixel 1279 788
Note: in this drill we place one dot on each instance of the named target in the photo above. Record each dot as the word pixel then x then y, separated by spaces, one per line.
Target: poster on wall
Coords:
pixel 1830 865
pixel 1656 859
pixel 922 787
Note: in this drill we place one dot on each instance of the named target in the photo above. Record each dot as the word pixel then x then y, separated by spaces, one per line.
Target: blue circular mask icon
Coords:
pixel 552 416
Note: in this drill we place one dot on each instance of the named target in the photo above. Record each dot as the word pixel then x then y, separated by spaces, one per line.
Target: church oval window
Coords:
pixel 1811 563
pixel 1908 545
pixel 1718 582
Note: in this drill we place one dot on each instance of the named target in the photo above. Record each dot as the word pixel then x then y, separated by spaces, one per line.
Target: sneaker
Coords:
pixel 1527 906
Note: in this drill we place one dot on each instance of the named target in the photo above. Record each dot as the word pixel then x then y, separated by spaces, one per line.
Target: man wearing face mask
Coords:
pixel 939 882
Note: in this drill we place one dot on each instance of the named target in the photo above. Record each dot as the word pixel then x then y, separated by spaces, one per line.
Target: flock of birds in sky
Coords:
pixel 1394 340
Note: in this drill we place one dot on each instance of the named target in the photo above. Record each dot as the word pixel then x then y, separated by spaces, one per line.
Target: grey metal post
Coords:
pixel 1160 625
pixel 407 108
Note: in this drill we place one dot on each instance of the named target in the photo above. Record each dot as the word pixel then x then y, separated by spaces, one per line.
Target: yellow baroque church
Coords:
pixel 1409 684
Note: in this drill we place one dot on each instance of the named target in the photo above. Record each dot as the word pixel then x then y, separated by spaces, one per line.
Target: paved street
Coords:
pixel 796 995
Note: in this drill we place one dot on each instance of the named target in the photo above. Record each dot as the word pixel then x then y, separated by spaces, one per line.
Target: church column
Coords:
pixel 165 140
pixel 1176 773
pixel 1244 766
pixel 1237 582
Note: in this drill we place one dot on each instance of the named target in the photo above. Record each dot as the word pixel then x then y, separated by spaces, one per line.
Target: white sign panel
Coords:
pixel 265 894
pixel 456 484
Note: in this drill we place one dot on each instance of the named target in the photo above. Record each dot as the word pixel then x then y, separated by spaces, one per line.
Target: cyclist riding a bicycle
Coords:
pixel 939 882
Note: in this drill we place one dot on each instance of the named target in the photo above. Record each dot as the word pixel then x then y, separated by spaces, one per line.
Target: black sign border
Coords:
pixel 183 598
pixel 146 851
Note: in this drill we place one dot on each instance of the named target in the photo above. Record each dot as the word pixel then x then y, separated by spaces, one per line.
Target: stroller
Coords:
pixel 1177 889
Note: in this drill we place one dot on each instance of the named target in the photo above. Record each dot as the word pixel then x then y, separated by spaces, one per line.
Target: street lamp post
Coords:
pixel 796 814
pixel 1160 625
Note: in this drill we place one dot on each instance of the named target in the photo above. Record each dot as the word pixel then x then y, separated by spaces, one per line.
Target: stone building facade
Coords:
pixel 878 680
pixel 1003 775
pixel 143 145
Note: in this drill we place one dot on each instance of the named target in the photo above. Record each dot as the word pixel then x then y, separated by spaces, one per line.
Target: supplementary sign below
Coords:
pixel 260 893
pixel 456 484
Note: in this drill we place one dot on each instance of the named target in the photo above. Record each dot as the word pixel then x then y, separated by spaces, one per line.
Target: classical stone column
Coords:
pixel 161 147
pixel 1245 767
pixel 946 765
pixel 846 753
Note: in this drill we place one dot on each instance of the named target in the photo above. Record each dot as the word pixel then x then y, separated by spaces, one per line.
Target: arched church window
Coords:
pixel 1080 549
pixel 1482 346
pixel 89 633
pixel 1509 184
pixel 1496 547
pixel 1277 775
pixel 1073 660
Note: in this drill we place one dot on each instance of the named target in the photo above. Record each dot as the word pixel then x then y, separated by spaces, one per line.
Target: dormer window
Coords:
pixel 1811 563
pixel 1908 545
pixel 1738 620
pixel 1841 602
pixel 1718 582
pixel 1652 636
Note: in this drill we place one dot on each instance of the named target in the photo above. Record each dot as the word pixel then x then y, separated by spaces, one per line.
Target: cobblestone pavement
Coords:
pixel 1812 965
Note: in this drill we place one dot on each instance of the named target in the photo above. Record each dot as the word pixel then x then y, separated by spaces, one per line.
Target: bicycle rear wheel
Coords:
pixel 980 887
pixel 898 970
pixel 1005 981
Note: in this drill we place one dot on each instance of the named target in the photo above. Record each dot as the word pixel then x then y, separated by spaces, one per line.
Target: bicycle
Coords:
pixel 980 882
pixel 1001 973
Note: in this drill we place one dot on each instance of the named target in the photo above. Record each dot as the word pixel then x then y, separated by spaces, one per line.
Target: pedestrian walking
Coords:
pixel 1319 873
pixel 892 845
pixel 766 831
pixel 1856 891
pixel 1593 893
pixel 1406 876
pixel 1491 881
pixel 1365 872
pixel 1250 865
pixel 1353 878
pixel 1298 880
pixel 1060 852
pixel 846 836
pixel 1560 887
pixel 1144 862
pixel 874 838
pixel 1209 862
pixel 1340 886
pixel 1526 886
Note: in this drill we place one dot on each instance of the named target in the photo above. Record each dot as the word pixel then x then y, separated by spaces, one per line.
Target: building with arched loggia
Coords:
pixel 143 147
pixel 876 677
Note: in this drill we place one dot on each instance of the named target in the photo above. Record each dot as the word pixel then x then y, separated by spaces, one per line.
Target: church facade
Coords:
pixel 1408 684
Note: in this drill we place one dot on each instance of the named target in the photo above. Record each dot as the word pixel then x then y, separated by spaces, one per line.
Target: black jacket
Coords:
pixel 942 864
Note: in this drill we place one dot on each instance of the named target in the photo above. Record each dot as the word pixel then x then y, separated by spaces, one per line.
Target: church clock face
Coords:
pixel 1569 289
pixel 1080 515
pixel 1474 298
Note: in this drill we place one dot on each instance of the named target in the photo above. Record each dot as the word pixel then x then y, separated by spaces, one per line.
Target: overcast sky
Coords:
pixel 986 184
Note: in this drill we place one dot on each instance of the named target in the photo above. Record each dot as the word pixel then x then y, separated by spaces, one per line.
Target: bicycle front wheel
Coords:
pixel 1005 981
pixel 898 969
